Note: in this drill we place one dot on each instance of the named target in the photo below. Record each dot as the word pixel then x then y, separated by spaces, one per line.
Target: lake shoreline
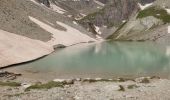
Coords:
pixel 142 88
pixel 30 85
pixel 54 50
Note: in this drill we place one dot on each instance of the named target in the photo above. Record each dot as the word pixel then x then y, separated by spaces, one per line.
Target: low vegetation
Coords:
pixel 107 80
pixel 100 80
pixel 133 86
pixel 157 12
pixel 14 95
pixel 48 85
pixel 145 80
pixel 12 84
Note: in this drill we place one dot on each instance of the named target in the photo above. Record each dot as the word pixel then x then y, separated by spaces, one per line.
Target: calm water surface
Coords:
pixel 106 59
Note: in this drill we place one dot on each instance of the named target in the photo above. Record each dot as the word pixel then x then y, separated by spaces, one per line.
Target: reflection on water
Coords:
pixel 106 58
pixel 168 50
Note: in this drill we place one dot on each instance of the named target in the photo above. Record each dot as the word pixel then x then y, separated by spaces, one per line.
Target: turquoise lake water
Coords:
pixel 105 59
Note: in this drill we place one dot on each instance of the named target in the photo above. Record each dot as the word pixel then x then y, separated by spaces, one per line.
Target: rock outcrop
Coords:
pixel 112 15
pixel 45 2
pixel 143 2
pixel 149 24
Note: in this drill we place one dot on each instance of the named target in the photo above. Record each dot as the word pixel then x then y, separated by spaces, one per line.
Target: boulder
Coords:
pixel 59 46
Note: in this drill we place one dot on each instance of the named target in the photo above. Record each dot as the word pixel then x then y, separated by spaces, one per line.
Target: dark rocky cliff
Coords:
pixel 145 1
pixel 45 2
pixel 111 16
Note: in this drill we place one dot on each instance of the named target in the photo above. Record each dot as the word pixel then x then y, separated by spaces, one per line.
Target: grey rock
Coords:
pixel 45 2
pixel 112 15
pixel 59 46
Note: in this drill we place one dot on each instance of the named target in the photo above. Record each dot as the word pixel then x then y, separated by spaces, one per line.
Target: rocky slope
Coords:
pixel 151 23
pixel 31 19
pixel 137 89
pixel 143 2
pixel 102 17
pixel 75 9
pixel 17 14
pixel 111 16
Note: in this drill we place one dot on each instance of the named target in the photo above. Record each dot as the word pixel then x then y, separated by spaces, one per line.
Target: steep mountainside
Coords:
pixel 150 23
pixel 75 8
pixel 17 14
pixel 143 2
pixel 111 15
pixel 40 24
pixel 101 17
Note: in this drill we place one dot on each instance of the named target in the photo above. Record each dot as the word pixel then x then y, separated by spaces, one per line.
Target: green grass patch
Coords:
pixel 145 80
pixel 48 85
pixel 12 84
pixel 14 95
pixel 101 80
pixel 157 12
pixel 132 86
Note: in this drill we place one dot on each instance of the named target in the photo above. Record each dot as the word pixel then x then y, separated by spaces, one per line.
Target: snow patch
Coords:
pixel 112 87
pixel 124 21
pixel 98 79
pixel 168 11
pixel 25 85
pixel 97 29
pixel 74 22
pixel 99 37
pixel 69 37
pixel 99 3
pixel 83 14
pixel 142 7
pixel 57 9
pixel 169 29
pixel 34 2
pixel 69 16
pixel 104 26
pixel 98 7
pixel 59 80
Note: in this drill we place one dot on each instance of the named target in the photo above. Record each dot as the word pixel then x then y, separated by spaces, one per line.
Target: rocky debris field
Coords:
pixel 144 88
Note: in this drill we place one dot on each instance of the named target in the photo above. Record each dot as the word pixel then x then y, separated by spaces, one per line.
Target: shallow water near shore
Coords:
pixel 105 60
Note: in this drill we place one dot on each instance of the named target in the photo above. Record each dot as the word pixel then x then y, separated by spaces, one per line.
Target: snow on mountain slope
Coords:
pixel 39 38
pixel 78 8
pixel 66 37
pixel 99 3
pixel 168 10
pixel 111 16
pixel 17 49
pixel 57 8
pixel 142 7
